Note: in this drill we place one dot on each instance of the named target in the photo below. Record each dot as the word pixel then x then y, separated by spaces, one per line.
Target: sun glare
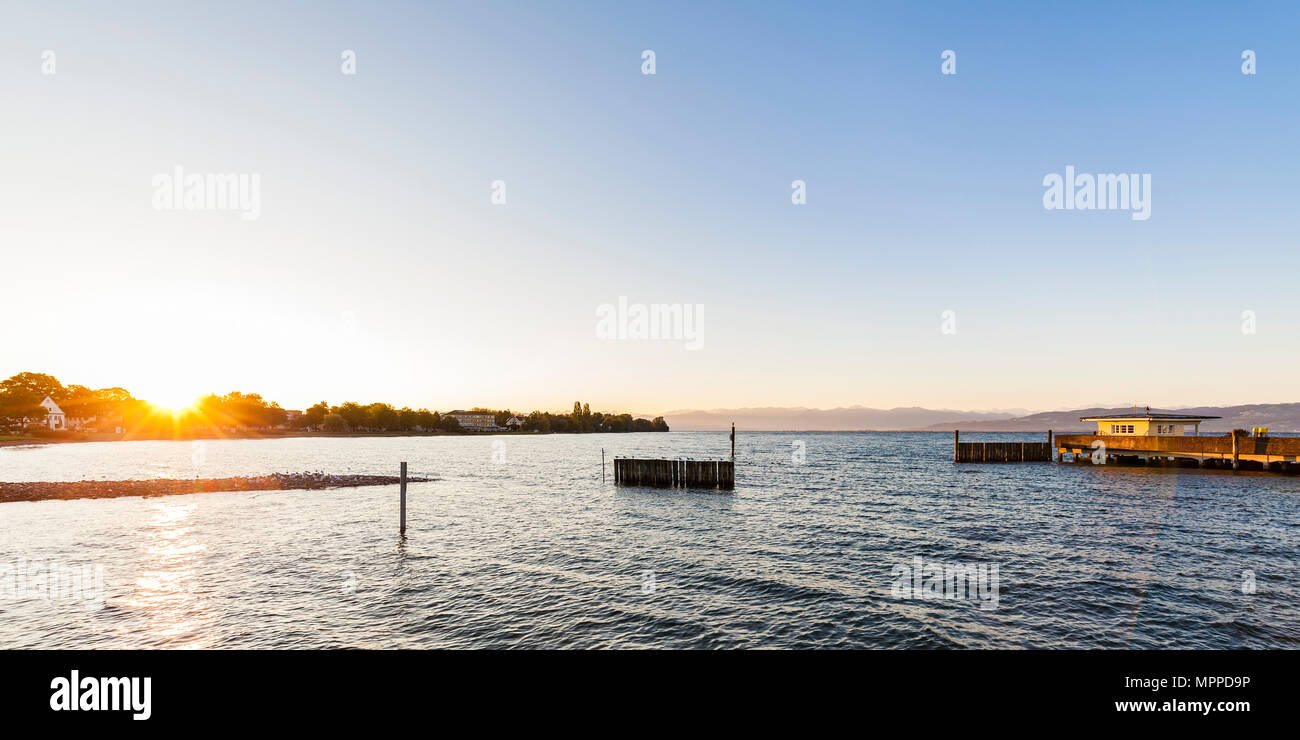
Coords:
pixel 174 402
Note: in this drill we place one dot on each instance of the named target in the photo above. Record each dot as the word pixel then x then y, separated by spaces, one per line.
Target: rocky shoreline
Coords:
pixel 43 491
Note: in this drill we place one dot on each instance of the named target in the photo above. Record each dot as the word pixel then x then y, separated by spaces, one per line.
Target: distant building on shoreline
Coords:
pixel 475 421
pixel 54 417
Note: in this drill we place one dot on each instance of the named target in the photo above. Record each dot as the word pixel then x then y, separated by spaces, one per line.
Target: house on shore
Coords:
pixel 55 419
pixel 1148 424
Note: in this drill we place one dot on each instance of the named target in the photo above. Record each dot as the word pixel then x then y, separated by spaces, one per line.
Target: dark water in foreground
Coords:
pixel 522 546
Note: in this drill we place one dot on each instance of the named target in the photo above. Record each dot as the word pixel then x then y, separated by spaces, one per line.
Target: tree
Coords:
pixel 426 420
pixel 314 416
pixel 407 419
pixel 353 413
pixel 538 422
pixel 80 402
pixel 381 416
pixel 334 424
pixel 21 397
pixel 274 416
pixel 36 384
pixel 17 407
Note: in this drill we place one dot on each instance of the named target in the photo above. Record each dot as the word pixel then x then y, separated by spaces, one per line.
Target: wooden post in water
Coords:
pixel 956 434
pixel 602 464
pixel 733 441
pixel 1235 459
pixel 402 531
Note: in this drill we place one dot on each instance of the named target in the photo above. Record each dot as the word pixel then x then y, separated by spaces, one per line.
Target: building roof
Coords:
pixel 1149 416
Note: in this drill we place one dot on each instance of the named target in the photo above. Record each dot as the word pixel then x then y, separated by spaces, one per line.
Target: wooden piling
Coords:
pixel 678 473
pixel 402 527
pixel 999 452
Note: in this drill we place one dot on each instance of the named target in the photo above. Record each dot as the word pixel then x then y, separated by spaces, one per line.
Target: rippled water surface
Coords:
pixel 521 545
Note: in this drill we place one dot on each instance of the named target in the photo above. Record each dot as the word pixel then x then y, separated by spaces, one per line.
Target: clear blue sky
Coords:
pixel 379 270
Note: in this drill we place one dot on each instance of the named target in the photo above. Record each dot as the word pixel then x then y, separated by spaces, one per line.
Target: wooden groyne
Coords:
pixel 715 474
pixel 1000 452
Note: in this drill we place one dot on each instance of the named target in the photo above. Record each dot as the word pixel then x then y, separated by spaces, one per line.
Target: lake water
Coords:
pixel 519 544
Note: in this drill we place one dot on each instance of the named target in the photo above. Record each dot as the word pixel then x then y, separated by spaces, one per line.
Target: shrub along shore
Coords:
pixel 43 491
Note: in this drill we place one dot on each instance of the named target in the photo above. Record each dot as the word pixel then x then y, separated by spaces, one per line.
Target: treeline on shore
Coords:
pixel 116 411
pixel 382 417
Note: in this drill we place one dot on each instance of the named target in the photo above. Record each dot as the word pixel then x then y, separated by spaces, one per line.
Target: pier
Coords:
pixel 1238 450
pixel 1000 452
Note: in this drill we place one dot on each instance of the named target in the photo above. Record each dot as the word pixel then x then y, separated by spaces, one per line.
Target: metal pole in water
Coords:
pixel 403 527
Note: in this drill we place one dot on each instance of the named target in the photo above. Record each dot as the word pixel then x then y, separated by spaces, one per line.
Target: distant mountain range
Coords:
pixel 850 419
pixel 1278 417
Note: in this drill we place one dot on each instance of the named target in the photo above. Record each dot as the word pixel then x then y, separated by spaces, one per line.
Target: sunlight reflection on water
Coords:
pixel 165 589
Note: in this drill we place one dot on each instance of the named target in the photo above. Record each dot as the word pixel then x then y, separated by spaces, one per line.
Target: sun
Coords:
pixel 173 401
